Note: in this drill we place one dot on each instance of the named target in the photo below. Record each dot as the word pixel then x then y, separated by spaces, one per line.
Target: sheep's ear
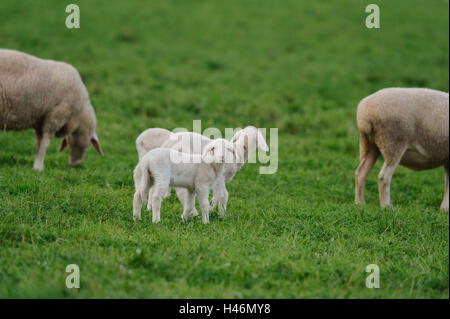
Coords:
pixel 236 136
pixel 211 149
pixel 63 145
pixel 96 144
pixel 262 145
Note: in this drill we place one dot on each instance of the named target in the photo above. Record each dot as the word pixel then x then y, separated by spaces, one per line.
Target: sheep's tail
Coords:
pixel 146 183
pixel 363 120
pixel 143 180
pixel 137 176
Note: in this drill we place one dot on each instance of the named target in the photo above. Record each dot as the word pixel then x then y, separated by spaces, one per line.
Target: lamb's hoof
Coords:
pixel 155 220
pixel 38 168
pixel 184 218
pixel 388 206
pixel 444 208
pixel 194 212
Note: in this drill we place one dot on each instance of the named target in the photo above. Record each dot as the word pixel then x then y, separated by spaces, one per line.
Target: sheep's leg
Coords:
pixel 188 205
pixel 369 155
pixel 42 143
pixel 157 197
pixel 204 204
pixel 183 195
pixel 385 178
pixel 444 205
pixel 220 197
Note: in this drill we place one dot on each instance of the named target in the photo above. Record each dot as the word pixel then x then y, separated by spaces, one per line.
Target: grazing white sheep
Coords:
pixel 246 141
pixel 163 168
pixel 49 97
pixel 408 126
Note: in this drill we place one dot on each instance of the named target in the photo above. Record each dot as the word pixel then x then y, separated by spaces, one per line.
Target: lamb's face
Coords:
pixel 248 140
pixel 219 151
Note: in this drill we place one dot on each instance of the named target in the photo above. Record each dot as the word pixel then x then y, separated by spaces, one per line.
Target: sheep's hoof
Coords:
pixel 38 168
pixel 155 221
pixel 184 218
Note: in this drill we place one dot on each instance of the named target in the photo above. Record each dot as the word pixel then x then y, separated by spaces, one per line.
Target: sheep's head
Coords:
pixel 248 140
pixel 219 151
pixel 78 142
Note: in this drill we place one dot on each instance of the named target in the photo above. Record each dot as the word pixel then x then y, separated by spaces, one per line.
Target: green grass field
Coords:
pixel 299 66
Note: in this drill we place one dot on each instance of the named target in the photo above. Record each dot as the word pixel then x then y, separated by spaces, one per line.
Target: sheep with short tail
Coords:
pixel 49 97
pixel 162 168
pixel 407 126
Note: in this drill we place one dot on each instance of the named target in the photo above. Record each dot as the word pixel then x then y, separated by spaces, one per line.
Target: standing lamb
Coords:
pixel 246 141
pixel 49 97
pixel 408 127
pixel 163 168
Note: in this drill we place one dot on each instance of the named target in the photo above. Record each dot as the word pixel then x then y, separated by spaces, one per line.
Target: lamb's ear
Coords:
pixel 262 145
pixel 236 136
pixel 63 145
pixel 96 144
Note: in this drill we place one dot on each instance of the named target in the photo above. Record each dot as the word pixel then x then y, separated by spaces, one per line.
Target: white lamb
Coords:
pixel 163 168
pixel 246 141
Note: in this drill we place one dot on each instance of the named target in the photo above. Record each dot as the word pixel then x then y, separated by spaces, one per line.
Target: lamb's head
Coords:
pixel 78 142
pixel 248 140
pixel 219 152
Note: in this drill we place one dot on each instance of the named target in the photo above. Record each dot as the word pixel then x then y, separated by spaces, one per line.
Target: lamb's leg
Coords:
pixel 42 142
pixel 158 192
pixel 368 154
pixel 220 197
pixel 183 195
pixel 137 205
pixel 444 205
pixel 202 195
pixel 188 205
pixel 167 194
pixel 149 202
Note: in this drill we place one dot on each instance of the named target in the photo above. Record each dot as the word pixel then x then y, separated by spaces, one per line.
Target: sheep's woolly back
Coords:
pixel 414 121
pixel 404 106
pixel 31 89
